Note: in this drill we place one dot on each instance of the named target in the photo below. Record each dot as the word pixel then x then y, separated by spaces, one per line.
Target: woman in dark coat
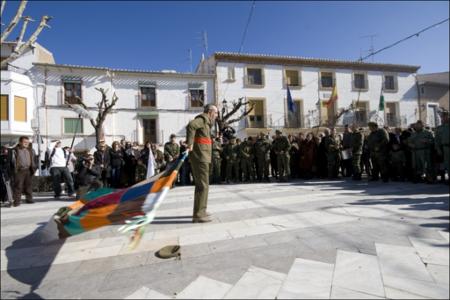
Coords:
pixel 117 164
pixel 308 156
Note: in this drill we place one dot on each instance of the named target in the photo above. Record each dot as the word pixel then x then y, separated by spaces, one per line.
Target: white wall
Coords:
pixel 125 121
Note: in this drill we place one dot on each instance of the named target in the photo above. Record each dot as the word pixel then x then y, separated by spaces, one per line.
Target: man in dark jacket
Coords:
pixel 23 165
pixel 102 158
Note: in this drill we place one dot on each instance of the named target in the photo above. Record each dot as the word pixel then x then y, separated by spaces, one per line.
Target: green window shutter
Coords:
pixel 70 125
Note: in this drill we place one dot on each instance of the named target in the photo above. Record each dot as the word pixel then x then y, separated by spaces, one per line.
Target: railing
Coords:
pixel 392 120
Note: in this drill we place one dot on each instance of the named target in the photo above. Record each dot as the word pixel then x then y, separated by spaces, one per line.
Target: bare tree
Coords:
pixel 104 108
pixel 225 118
pixel 21 45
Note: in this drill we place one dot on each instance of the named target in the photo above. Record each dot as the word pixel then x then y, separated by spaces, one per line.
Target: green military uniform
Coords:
pixel 421 143
pixel 398 162
pixel 281 146
pixel 231 154
pixel 216 161
pixel 262 154
pixel 442 143
pixel 332 147
pixel 171 151
pixel 357 140
pixel 246 156
pixel 378 146
pixel 198 135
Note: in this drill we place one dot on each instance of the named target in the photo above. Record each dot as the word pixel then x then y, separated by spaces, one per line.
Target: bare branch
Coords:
pixel 246 112
pixel 3 7
pixel 14 21
pixel 236 106
pixel 26 45
pixel 26 19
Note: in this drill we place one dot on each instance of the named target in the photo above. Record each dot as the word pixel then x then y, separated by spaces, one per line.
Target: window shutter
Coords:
pixel 20 109
pixel 4 108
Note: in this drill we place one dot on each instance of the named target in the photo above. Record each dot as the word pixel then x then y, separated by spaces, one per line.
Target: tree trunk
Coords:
pixel 99 134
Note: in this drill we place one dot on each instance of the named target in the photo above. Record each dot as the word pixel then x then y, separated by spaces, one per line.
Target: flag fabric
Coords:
pixel 333 97
pixel 150 164
pixel 381 104
pixel 134 206
pixel 290 102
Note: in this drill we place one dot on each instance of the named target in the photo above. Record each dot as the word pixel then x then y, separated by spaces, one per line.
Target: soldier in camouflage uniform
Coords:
pixel 262 154
pixel 216 160
pixel 171 150
pixel 378 141
pixel 421 143
pixel 333 148
pixel 198 136
pixel 246 155
pixel 281 147
pixel 356 141
pixel 442 143
pixel 231 153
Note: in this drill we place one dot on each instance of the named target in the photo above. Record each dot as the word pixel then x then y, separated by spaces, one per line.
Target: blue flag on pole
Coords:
pixel 290 103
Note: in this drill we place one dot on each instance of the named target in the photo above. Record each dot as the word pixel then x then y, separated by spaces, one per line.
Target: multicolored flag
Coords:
pixel 333 97
pixel 135 206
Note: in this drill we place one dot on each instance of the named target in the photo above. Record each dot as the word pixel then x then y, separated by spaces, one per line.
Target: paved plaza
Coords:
pixel 301 239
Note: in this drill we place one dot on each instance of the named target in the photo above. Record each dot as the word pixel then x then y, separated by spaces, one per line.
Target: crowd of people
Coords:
pixel 416 154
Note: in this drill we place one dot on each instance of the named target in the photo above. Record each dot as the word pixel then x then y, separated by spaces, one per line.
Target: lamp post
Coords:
pixel 37 133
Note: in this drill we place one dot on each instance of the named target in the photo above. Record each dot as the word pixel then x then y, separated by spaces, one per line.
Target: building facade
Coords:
pixel 263 80
pixel 433 97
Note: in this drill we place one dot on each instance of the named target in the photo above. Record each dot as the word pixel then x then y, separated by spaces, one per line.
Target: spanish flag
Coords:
pixel 333 97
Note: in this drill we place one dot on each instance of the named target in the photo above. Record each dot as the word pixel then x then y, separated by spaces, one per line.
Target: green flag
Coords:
pixel 381 105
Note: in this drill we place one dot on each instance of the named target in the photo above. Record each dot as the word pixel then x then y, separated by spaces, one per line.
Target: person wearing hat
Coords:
pixel 356 145
pixel 281 147
pixel 171 149
pixel 216 160
pixel 442 143
pixel 262 154
pixel 231 153
pixel 378 141
pixel 198 135
pixel 422 143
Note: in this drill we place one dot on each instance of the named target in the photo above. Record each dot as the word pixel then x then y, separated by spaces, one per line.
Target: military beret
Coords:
pixel 173 135
pixel 277 131
pixel 372 124
pixel 169 251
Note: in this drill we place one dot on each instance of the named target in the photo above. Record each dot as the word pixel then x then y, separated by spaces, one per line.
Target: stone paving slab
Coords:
pixel 267 226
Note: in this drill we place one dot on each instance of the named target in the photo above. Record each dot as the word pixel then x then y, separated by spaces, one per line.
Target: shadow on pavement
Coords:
pixel 30 266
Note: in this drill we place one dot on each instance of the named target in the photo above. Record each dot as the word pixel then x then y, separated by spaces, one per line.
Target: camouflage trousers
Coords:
pixel 422 163
pixel 216 170
pixel 262 168
pixel 247 168
pixel 232 169
pixel 356 163
pixel 283 165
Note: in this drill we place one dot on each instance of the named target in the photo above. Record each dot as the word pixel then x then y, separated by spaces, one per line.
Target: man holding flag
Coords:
pixel 198 133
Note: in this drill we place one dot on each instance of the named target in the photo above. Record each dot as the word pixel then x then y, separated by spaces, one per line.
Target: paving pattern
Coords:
pixel 302 239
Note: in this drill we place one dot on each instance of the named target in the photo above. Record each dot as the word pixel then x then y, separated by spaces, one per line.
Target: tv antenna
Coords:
pixel 371 37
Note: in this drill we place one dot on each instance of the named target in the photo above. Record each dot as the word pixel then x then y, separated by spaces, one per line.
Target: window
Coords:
pixel 361 113
pixel 148 96
pixel 149 130
pixel 197 97
pixel 73 125
pixel 422 90
pixel 295 120
pixel 359 81
pixel 4 108
pixel 72 90
pixel 256 116
pixel 328 113
pixel 389 82
pixel 326 80
pixel 230 73
pixel 20 109
pixel 392 119
pixel 292 78
pixel 255 76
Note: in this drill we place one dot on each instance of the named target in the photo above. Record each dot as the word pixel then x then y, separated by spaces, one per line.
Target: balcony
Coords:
pixel 256 121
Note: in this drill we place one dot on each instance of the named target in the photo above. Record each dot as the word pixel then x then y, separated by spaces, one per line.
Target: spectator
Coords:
pixel 117 164
pixel 59 171
pixel 102 157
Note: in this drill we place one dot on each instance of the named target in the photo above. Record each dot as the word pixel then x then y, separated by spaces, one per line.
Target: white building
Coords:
pixel 262 80
pixel 151 105
pixel 17 92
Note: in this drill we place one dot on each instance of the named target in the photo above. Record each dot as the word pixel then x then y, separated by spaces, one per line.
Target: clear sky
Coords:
pixel 158 35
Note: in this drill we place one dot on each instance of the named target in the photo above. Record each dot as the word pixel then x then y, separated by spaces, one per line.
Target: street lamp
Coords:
pixel 35 128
